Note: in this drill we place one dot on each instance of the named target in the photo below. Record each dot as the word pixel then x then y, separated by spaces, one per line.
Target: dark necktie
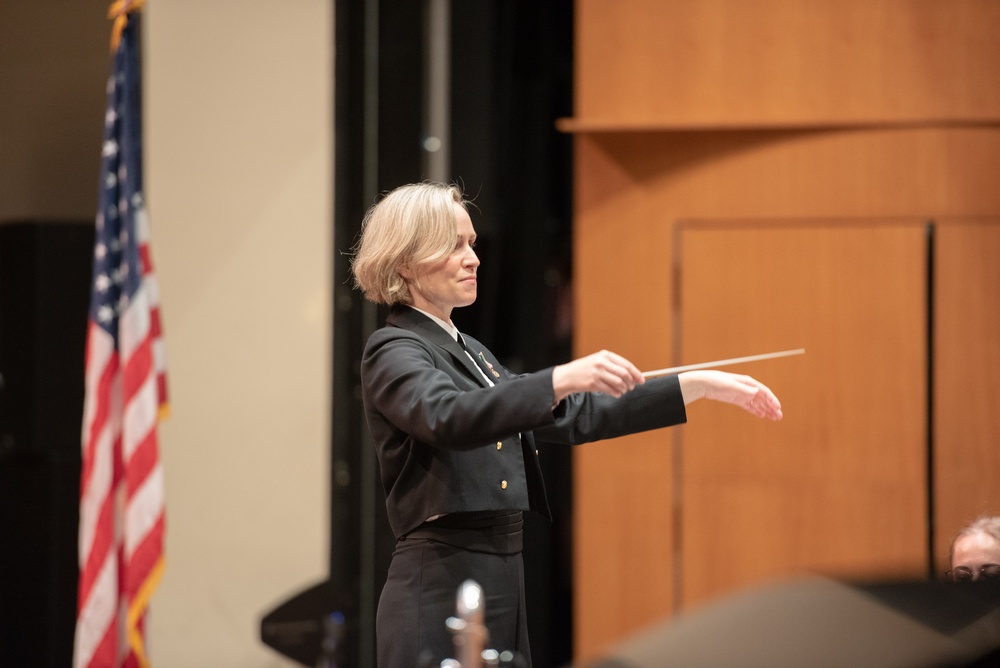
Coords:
pixel 480 360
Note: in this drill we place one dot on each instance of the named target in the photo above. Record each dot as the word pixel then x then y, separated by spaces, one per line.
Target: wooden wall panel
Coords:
pixel 631 190
pixel 966 369
pixel 752 109
pixel 650 179
pixel 679 62
pixel 839 486
pixel 622 303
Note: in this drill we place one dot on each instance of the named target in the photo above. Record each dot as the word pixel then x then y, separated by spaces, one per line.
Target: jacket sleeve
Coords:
pixel 586 417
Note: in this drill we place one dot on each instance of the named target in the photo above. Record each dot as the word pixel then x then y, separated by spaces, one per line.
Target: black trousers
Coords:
pixel 420 594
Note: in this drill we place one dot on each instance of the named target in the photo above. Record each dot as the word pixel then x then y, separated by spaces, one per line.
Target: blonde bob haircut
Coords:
pixel 413 225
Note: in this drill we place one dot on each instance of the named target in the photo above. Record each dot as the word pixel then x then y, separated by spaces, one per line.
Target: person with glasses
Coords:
pixel 457 434
pixel 975 551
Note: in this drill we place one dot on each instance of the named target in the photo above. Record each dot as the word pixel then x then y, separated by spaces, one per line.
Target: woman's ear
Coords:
pixel 404 271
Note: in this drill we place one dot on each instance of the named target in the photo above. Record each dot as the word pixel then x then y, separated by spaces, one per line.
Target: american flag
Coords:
pixel 121 486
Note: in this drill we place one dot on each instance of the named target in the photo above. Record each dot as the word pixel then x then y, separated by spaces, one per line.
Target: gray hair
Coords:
pixel 987 524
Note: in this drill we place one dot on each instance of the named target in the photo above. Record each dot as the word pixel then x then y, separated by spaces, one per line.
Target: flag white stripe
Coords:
pixel 153 288
pixel 100 348
pixel 141 219
pixel 133 325
pixel 140 416
pixel 159 355
pixel 143 510
pixel 97 491
pixel 101 473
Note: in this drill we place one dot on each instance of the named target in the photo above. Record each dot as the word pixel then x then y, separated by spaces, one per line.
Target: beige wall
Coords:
pixel 238 112
pixel 239 157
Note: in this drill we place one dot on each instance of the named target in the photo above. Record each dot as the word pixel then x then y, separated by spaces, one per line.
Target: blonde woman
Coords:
pixel 457 434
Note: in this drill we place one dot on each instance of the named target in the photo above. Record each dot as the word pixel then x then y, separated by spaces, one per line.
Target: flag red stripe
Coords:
pixel 147 259
pixel 102 546
pixel 145 556
pixel 144 459
pixel 106 653
pixel 161 387
pixel 100 418
pixel 137 369
pixel 154 323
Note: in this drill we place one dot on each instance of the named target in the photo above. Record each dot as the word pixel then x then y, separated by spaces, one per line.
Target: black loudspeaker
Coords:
pixel 818 622
pixel 45 275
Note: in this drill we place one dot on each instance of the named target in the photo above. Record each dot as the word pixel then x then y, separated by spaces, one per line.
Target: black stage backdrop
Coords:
pixel 511 77
pixel 44 296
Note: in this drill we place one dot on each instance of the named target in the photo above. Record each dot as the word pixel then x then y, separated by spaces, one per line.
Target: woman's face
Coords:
pixel 449 283
pixel 974 554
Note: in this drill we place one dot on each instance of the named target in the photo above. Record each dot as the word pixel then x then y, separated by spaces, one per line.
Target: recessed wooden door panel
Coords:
pixel 966 373
pixel 840 485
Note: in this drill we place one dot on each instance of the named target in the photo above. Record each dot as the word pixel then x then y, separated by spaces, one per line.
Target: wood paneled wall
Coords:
pixel 784 62
pixel 966 367
pixel 753 175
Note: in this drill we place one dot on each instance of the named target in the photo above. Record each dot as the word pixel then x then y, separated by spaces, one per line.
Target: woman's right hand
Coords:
pixel 602 371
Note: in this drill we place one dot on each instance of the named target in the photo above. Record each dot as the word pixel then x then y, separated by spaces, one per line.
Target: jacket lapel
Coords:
pixel 478 352
pixel 410 319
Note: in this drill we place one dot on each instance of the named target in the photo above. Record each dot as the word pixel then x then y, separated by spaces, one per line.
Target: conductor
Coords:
pixel 457 434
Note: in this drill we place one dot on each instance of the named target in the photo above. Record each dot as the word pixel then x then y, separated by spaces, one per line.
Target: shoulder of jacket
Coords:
pixel 388 334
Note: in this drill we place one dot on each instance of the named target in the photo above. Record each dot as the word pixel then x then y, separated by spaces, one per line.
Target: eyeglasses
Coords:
pixel 963 574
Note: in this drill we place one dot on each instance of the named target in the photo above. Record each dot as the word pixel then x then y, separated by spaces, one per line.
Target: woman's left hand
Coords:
pixel 744 391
